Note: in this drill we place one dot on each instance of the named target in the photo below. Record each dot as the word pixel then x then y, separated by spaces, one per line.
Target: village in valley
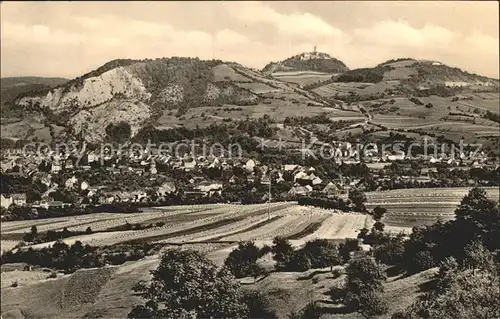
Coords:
pixel 250 160
pixel 74 179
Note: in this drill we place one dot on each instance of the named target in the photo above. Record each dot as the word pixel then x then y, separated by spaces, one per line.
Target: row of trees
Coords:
pixel 15 212
pixel 318 253
pixel 354 202
pixel 69 258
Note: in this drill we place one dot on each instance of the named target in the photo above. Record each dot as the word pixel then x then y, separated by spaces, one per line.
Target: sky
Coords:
pixel 68 39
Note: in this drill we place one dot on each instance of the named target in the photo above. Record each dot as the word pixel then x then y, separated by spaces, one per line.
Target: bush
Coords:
pixel 416 101
pixel 337 273
pixel 53 275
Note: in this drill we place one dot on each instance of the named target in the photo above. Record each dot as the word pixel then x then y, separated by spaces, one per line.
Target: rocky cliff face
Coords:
pixel 135 92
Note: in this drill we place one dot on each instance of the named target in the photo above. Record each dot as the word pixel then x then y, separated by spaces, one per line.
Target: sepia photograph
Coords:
pixel 250 159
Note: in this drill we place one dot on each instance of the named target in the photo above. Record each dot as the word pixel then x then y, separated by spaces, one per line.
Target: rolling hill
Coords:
pixel 306 69
pixel 170 92
pixel 308 61
pixel 11 87
pixel 425 97
pixel 143 92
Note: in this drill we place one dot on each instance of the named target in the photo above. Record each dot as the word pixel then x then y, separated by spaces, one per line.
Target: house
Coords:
pixel 152 168
pixel 92 157
pixel 18 199
pixel 280 178
pixel 251 178
pixel 290 167
pixel 6 201
pixel 249 165
pixel 205 188
pixel 68 164
pixel 70 182
pixel 189 165
pixel 139 171
pixel 298 190
pixel 209 188
pixel 84 185
pixel 166 188
pixel 331 189
pixel 215 163
pixel 57 204
pixel 56 167
pixel 300 175
pixel 316 180
pixel 423 179
pixel 265 180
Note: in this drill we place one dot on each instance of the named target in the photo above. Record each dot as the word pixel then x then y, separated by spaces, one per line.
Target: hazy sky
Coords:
pixel 71 38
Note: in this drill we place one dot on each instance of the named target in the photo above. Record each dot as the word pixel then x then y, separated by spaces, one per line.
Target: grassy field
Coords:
pixel 302 78
pixel 342 89
pixel 107 292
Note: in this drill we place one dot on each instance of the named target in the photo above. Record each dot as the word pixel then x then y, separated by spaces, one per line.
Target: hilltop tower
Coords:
pixel 314 50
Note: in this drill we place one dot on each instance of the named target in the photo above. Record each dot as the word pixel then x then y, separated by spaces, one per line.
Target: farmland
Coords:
pixel 420 206
pixel 233 223
pixel 302 78
pixel 209 223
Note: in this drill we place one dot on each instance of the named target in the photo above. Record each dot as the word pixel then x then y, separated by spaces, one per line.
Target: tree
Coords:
pixel 372 304
pixel 299 262
pixel 379 226
pixel 477 216
pixel 33 195
pixel 119 132
pixel 363 232
pixel 34 231
pixel 478 257
pixel 188 285
pixel 364 282
pixel 424 260
pixel 283 252
pixel 378 213
pixel 322 253
pixel 358 198
pixel 241 262
pixel 460 294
